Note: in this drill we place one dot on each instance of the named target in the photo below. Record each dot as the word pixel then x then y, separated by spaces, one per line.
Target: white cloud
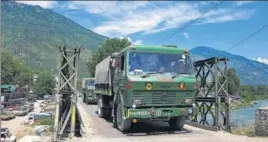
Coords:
pixel 138 42
pixel 126 18
pixel 239 3
pixel 262 60
pixel 186 35
pixel 44 4
pixel 230 15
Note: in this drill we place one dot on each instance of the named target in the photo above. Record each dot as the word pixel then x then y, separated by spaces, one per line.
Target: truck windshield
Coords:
pixel 90 83
pixel 148 62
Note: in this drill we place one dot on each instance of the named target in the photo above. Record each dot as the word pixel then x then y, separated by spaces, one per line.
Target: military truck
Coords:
pixel 88 91
pixel 146 83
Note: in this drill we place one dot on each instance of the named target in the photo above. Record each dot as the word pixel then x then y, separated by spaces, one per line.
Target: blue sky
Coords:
pixel 146 22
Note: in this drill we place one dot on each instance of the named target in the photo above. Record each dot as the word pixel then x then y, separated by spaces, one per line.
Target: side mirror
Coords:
pixel 114 55
pixel 193 58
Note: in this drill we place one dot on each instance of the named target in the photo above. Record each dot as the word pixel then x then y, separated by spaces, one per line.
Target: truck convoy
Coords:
pixel 88 90
pixel 141 83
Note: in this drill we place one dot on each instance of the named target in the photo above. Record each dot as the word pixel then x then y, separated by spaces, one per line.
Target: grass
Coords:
pixel 46 121
pixel 247 130
pixel 260 97
pixel 242 105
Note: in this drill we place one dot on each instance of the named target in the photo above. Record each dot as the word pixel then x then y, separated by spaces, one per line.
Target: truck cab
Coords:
pixel 88 86
pixel 155 83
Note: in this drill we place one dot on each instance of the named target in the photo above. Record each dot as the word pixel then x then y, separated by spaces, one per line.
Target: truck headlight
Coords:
pixel 136 102
pixel 188 101
pixel 190 110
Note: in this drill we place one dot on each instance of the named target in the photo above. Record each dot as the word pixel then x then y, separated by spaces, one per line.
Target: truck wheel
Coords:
pixel 84 100
pixel 87 101
pixel 177 123
pixel 122 124
pixel 100 110
pixel 108 112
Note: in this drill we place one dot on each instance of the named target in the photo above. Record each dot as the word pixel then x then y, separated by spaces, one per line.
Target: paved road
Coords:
pixel 155 132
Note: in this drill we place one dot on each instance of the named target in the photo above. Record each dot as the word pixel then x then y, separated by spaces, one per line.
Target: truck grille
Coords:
pixel 157 98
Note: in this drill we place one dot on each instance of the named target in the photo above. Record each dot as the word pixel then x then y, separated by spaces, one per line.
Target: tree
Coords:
pixel 108 47
pixel 233 81
pixel 261 89
pixel 14 72
pixel 246 96
pixel 44 84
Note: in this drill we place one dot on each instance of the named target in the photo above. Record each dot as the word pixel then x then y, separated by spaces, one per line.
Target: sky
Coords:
pixel 159 22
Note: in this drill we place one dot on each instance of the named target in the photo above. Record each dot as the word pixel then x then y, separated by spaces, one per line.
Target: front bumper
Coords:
pixel 160 112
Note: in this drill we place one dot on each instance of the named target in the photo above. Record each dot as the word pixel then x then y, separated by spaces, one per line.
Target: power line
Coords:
pixel 248 37
pixel 251 35
pixel 193 21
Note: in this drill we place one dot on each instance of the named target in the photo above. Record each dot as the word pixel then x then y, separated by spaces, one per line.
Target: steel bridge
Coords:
pixel 67 119
pixel 211 98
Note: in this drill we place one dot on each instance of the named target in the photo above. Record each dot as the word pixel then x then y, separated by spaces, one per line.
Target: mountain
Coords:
pixel 33 34
pixel 249 71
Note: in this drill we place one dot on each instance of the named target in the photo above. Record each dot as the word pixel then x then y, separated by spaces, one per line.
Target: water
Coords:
pixel 242 116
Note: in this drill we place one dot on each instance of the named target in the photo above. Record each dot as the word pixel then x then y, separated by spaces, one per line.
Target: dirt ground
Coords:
pixel 16 126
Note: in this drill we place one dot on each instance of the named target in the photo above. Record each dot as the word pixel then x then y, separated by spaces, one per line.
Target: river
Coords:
pixel 242 116
pixel 245 116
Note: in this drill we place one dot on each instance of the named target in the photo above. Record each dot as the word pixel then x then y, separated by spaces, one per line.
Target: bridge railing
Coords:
pixel 212 97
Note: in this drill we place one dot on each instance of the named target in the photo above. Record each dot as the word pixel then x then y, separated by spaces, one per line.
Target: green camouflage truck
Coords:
pixel 141 83
pixel 88 87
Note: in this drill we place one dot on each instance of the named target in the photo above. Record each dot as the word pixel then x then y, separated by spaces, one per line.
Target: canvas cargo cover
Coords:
pixel 102 72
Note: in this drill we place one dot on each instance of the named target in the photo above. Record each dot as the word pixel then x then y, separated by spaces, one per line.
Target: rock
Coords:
pixel 261 121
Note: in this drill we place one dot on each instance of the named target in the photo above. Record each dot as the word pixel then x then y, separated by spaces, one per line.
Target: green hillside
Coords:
pixel 34 34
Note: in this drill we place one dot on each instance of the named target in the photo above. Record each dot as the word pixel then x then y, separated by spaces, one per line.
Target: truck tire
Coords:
pixel 177 123
pixel 122 124
pixel 87 101
pixel 84 98
pixel 100 109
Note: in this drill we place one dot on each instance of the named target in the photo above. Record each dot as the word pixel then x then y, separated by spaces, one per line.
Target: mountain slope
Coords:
pixel 34 34
pixel 249 71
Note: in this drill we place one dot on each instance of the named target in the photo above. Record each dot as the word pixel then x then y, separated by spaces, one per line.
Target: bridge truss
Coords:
pixel 212 97
pixel 66 116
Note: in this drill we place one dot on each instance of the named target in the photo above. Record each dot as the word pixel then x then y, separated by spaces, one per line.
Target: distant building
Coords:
pixel 13 95
pixel 35 76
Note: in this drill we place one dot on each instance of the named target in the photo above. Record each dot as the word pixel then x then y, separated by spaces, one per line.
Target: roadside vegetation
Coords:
pixel 247 131
pixel 15 72
pixel 248 94
pixel 44 84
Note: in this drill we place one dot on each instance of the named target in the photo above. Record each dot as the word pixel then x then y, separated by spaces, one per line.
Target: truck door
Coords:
pixel 119 72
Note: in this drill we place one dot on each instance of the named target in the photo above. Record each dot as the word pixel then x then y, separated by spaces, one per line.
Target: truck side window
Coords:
pixel 3 136
pixel 122 62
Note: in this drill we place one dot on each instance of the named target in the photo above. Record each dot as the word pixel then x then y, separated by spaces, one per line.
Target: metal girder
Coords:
pixel 66 97
pixel 212 93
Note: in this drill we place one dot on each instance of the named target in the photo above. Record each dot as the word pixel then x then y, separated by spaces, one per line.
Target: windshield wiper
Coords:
pixel 176 75
pixel 149 73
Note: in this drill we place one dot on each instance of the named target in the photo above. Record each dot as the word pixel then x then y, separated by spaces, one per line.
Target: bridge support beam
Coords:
pixel 66 97
pixel 212 97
